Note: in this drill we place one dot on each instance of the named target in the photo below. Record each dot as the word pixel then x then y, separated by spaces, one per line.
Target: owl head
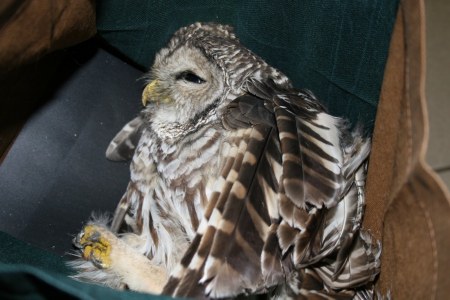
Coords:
pixel 202 69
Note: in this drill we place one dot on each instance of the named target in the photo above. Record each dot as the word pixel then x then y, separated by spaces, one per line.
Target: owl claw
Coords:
pixel 117 257
pixel 95 244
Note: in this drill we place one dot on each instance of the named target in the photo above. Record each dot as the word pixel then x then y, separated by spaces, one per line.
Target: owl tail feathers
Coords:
pixel 356 153
pixel 308 284
pixel 361 266
pixel 354 279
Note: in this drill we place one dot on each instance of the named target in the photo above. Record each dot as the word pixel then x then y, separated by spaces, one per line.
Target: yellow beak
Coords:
pixel 149 92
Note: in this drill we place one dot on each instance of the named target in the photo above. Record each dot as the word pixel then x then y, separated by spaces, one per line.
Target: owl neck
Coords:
pixel 171 125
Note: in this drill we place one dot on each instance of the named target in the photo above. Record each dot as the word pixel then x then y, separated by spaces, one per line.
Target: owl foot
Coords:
pixel 120 257
pixel 95 243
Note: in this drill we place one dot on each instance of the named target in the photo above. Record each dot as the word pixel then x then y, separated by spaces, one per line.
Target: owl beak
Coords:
pixel 154 93
pixel 149 92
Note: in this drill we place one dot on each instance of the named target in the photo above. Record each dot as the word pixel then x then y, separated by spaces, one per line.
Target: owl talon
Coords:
pixel 95 244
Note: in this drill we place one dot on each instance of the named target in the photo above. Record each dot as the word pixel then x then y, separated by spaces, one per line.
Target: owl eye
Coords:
pixel 190 77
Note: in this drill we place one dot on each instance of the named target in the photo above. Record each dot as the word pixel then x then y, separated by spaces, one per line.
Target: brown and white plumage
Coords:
pixel 240 183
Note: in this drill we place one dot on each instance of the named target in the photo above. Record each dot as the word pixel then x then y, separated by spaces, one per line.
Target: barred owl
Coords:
pixel 240 184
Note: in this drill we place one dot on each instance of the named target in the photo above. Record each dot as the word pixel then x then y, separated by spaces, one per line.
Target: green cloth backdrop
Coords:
pixel 27 272
pixel 337 49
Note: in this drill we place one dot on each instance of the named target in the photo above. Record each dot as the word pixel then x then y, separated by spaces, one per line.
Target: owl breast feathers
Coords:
pixel 240 184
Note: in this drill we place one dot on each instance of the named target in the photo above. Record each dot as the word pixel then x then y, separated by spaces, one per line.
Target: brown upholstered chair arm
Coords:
pixel 30 29
pixel 407 205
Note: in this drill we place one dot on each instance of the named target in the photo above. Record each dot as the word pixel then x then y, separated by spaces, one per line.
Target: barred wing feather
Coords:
pixel 286 199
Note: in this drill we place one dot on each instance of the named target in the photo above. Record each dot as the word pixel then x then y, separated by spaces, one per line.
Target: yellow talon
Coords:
pixel 87 252
pixel 95 247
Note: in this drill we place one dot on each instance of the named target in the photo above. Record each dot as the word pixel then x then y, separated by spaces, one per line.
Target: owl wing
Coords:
pixel 321 192
pixel 284 168
pixel 122 146
pixel 224 257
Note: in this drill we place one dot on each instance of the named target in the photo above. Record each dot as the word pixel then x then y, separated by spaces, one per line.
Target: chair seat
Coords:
pixel 56 173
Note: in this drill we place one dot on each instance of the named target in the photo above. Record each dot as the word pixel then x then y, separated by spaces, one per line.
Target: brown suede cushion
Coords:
pixel 30 32
pixel 30 29
pixel 407 205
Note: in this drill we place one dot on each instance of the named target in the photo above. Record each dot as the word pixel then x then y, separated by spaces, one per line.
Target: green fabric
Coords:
pixel 27 272
pixel 13 251
pixel 337 49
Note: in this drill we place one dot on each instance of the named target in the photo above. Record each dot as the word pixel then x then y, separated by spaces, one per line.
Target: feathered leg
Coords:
pixel 116 262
